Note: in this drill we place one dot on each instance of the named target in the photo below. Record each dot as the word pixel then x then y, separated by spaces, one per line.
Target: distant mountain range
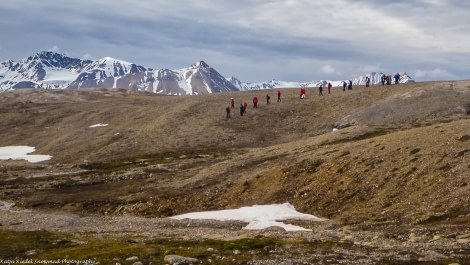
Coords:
pixel 52 70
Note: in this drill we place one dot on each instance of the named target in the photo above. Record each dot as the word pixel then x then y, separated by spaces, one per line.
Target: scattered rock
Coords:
pixel 31 252
pixel 133 258
pixel 175 259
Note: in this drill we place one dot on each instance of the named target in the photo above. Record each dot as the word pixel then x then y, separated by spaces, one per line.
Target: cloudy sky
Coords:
pixel 253 40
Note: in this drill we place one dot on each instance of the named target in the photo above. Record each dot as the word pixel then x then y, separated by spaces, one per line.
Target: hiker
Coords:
pixel 232 102
pixel 397 77
pixel 303 92
pixel 242 109
pixel 367 81
pixel 320 90
pixel 388 79
pixel 245 105
pixel 227 110
pixel 329 87
pixel 344 85
pixel 383 79
pixel 278 95
pixel 350 85
pixel 267 99
pixel 255 102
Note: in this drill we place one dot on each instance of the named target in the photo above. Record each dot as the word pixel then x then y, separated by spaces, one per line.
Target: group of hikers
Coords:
pixel 349 84
pixel 388 79
pixel 245 105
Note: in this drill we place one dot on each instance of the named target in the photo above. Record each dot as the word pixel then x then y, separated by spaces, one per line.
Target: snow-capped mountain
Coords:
pixel 45 69
pixel 53 70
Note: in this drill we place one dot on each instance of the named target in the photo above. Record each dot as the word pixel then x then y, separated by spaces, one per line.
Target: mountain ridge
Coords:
pixel 48 69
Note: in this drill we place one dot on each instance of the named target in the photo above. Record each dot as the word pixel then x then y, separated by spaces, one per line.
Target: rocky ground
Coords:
pixel 327 243
pixel 392 178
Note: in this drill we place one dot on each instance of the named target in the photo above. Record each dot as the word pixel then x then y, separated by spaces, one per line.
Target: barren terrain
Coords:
pixel 387 165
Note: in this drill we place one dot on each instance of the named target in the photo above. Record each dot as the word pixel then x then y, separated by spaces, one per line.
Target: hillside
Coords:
pixel 398 154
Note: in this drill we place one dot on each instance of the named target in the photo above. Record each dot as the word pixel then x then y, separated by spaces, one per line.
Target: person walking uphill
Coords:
pixel 267 99
pixel 255 102
pixel 320 90
pixel 367 81
pixel 278 95
pixel 242 109
pixel 232 102
pixel 227 110
pixel 344 85
pixel 302 92
pixel 329 87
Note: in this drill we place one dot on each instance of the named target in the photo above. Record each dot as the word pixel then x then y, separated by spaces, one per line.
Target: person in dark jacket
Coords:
pixel 242 109
pixel 227 110
pixel 278 95
pixel 350 85
pixel 397 77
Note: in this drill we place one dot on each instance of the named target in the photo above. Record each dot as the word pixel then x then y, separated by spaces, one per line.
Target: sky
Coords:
pixel 258 217
pixel 252 40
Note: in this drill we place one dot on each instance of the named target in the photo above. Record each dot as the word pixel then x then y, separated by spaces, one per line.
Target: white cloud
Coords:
pixel 328 69
pixel 54 48
pixel 87 56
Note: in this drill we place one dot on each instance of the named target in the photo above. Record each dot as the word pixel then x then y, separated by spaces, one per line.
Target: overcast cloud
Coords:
pixel 253 40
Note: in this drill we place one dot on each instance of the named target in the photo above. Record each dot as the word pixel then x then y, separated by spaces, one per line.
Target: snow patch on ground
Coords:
pixel 258 216
pixel 99 125
pixel 21 152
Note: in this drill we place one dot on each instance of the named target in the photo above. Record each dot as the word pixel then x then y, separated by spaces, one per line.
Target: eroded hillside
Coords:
pixel 401 153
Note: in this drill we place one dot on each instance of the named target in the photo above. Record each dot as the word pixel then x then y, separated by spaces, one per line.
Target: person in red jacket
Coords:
pixel 278 95
pixel 303 93
pixel 255 102
pixel 245 105
pixel 329 87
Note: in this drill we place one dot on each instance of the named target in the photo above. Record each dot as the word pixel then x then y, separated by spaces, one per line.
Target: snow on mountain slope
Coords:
pixel 52 70
pixel 374 76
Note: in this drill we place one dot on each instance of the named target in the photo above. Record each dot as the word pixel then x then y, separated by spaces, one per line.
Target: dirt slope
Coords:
pixel 401 154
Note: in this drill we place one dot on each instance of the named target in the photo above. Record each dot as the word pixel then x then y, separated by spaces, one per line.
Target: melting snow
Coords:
pixel 21 152
pixel 99 125
pixel 257 216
